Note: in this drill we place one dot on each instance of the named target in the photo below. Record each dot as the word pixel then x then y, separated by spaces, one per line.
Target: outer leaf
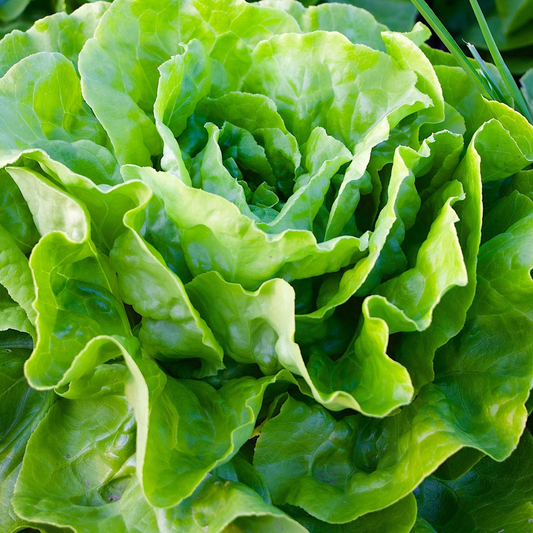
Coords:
pixel 103 492
pixel 492 496
pixel 397 518
pixel 476 400
pixel 108 209
pixel 206 427
pixel 16 278
pixel 219 506
pixel 259 328
pixel 251 327
pixel 15 216
pixel 76 463
pixel 21 410
pixel 61 33
pixel 12 316
pixel 107 206
pixel 41 108
pixel 77 296
pixel 171 328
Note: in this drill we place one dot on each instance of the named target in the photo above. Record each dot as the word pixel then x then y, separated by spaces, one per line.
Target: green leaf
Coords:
pixel 105 205
pixel 264 334
pixel 358 25
pixel 41 108
pixel 61 33
pixel 491 496
pixel 82 455
pixel 409 58
pixel 398 15
pixel 458 464
pixel 247 324
pixel 212 230
pixel 223 507
pixel 325 156
pixel 258 115
pixel 171 328
pixel 477 400
pixel 121 86
pixel 184 80
pixel 21 410
pixel 77 461
pixel 397 214
pixel 212 176
pixel 397 518
pixel 206 427
pixel 160 232
pixel 15 216
pixel 77 302
pixel 338 94
pixel 16 279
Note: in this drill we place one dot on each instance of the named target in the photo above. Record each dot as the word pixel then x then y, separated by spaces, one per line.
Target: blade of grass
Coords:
pixel 507 77
pixel 488 75
pixel 453 47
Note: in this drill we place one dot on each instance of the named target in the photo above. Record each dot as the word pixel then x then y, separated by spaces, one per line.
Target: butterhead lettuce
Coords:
pixel 263 268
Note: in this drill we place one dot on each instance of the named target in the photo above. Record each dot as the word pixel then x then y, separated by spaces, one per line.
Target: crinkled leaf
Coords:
pixel 61 33
pixel 477 400
pixel 205 427
pixel 77 295
pixel 216 236
pixel 264 334
pixel 171 328
pixel 15 216
pixel 121 86
pixel 42 108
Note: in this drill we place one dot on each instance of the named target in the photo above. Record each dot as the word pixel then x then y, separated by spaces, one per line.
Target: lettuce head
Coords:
pixel 263 268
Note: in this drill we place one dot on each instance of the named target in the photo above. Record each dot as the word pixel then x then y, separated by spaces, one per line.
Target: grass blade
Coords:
pixel 520 101
pixel 453 47
pixel 488 76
